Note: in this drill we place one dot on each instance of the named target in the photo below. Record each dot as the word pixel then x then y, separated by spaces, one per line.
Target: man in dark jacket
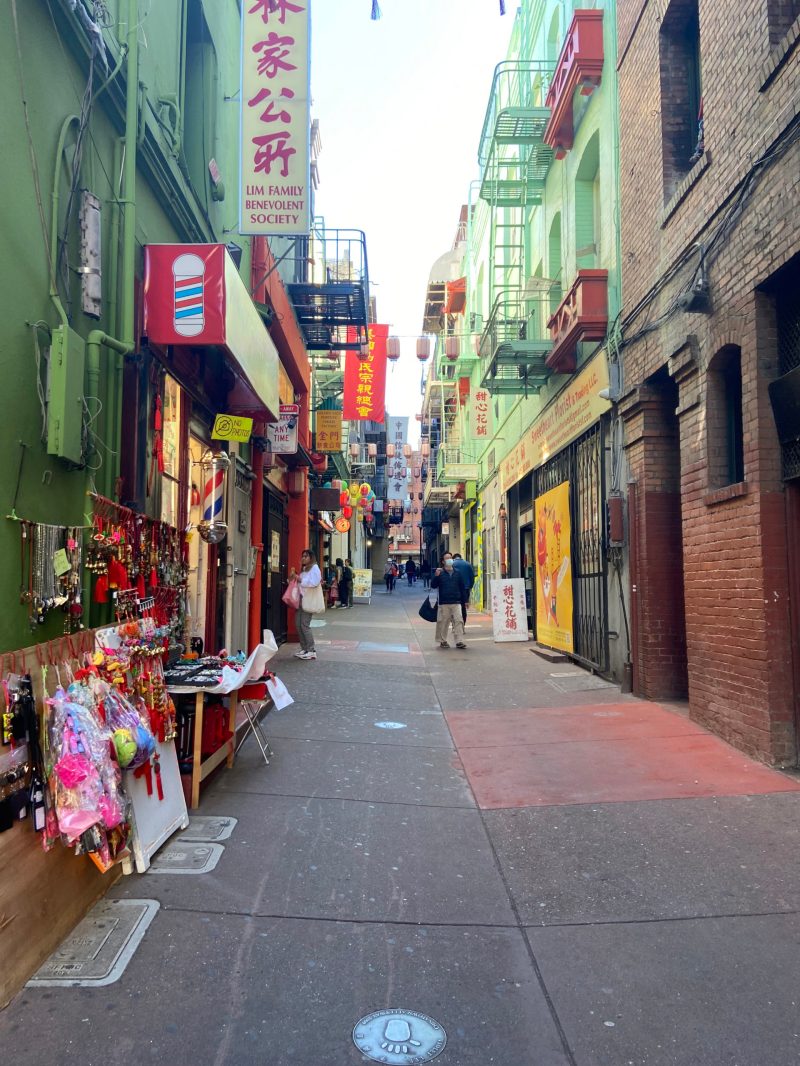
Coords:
pixel 464 569
pixel 452 596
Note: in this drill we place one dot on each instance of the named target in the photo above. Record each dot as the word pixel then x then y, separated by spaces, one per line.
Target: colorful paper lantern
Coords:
pixel 343 498
pixel 365 488
pixel 347 511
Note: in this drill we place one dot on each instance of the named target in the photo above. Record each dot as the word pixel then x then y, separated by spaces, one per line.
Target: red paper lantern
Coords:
pixel 343 498
pixel 347 511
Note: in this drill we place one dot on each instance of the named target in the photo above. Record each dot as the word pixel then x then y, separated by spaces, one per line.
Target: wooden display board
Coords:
pixel 43 895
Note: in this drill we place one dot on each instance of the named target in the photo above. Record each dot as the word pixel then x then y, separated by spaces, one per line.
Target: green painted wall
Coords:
pixel 46 63
pixel 580 208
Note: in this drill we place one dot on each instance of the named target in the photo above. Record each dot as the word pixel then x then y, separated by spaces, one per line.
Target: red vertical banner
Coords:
pixel 365 380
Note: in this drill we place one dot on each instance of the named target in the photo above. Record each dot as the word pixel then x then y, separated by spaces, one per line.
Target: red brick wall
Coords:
pixel 734 542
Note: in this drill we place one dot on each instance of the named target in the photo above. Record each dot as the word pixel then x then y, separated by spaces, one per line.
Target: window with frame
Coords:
pixel 781 16
pixel 682 130
pixel 173 477
pixel 724 415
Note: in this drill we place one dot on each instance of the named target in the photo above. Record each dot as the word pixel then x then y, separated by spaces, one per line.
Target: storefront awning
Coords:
pixel 194 297
pixel 455 296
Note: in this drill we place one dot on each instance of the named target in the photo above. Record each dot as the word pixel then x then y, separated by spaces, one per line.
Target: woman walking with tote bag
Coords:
pixel 312 602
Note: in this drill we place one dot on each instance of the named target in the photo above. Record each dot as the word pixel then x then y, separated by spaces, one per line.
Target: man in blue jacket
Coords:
pixel 467 574
pixel 452 596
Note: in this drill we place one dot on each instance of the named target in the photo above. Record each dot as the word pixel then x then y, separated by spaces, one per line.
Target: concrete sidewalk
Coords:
pixel 507 850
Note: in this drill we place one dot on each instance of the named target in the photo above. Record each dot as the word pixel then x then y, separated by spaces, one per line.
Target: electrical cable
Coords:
pixel 31 150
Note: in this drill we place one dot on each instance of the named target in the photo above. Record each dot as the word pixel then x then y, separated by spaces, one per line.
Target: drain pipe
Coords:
pixel 98 338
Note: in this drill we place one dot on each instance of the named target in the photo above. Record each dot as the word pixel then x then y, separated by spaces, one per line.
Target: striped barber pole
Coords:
pixel 188 272
pixel 212 496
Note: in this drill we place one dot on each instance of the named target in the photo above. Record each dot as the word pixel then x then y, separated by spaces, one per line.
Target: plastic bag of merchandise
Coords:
pixel 130 730
pixel 79 745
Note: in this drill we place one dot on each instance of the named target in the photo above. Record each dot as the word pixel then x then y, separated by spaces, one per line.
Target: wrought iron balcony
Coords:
pixel 579 67
pixel 454 466
pixel 516 344
pixel 512 154
pixel 337 296
pixel 581 316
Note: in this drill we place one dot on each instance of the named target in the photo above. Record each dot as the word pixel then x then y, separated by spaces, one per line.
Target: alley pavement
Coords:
pixel 501 859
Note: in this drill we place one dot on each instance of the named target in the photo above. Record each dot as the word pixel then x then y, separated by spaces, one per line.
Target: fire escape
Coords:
pixel 332 308
pixel 514 160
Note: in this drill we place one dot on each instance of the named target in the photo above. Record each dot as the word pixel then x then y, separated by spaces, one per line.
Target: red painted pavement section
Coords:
pixel 611 753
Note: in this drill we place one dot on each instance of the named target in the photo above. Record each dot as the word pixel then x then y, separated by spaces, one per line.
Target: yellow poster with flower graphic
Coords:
pixel 554 570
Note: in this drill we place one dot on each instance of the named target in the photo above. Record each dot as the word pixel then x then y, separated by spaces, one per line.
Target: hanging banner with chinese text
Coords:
pixel 509 617
pixel 274 175
pixel 397 479
pixel 481 415
pixel 365 382
pixel 329 431
pixel 553 569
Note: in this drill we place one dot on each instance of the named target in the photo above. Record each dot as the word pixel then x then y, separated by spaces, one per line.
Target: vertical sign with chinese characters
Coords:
pixel 329 431
pixel 365 381
pixel 553 566
pixel 397 479
pixel 274 177
pixel 509 612
pixel 481 415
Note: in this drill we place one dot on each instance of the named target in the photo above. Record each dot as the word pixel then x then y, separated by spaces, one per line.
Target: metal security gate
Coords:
pixel 581 464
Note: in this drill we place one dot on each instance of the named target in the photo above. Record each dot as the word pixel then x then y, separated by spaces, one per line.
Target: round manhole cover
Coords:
pixel 400 1037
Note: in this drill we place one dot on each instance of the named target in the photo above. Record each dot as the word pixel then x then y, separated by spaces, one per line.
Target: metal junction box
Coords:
pixel 65 395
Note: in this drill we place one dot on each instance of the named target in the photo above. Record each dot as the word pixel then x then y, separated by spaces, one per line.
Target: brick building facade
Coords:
pixel 710 158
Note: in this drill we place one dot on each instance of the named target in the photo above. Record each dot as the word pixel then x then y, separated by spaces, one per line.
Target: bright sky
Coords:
pixel 401 102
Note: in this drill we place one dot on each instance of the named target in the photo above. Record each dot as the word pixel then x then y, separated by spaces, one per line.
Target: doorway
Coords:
pixel 275 575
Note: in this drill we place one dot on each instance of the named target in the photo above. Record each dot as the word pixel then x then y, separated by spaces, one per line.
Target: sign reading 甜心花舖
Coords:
pixel 509 613
pixel 274 175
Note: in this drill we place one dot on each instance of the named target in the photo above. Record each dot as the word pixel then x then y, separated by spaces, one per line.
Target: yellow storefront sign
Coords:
pixel 232 427
pixel 553 569
pixel 329 431
pixel 572 412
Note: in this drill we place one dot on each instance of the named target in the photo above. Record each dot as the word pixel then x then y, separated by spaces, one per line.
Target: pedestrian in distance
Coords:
pixel 462 567
pixel 425 573
pixel 452 596
pixel 345 582
pixel 390 574
pixel 348 565
pixel 411 572
pixel 308 578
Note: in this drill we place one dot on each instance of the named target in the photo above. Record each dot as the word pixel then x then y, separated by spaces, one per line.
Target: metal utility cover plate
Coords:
pixel 207 828
pixel 374 645
pixel 585 683
pixel 178 857
pixel 401 1037
pixel 100 947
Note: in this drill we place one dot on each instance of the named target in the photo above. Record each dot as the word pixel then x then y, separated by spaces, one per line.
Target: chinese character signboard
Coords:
pixel 282 436
pixel 509 616
pixel 329 431
pixel 574 410
pixel 365 382
pixel 481 415
pixel 553 566
pixel 274 186
pixel 397 479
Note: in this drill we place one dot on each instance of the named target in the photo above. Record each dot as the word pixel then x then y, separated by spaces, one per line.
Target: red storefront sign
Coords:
pixel 365 381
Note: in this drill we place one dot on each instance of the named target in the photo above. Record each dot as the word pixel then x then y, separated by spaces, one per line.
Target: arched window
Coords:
pixel 724 418
pixel 587 205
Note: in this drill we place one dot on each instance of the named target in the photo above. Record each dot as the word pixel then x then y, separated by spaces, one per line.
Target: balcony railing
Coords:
pixel 581 316
pixel 579 67
pixel 337 297
pixel 455 465
pixel 516 343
